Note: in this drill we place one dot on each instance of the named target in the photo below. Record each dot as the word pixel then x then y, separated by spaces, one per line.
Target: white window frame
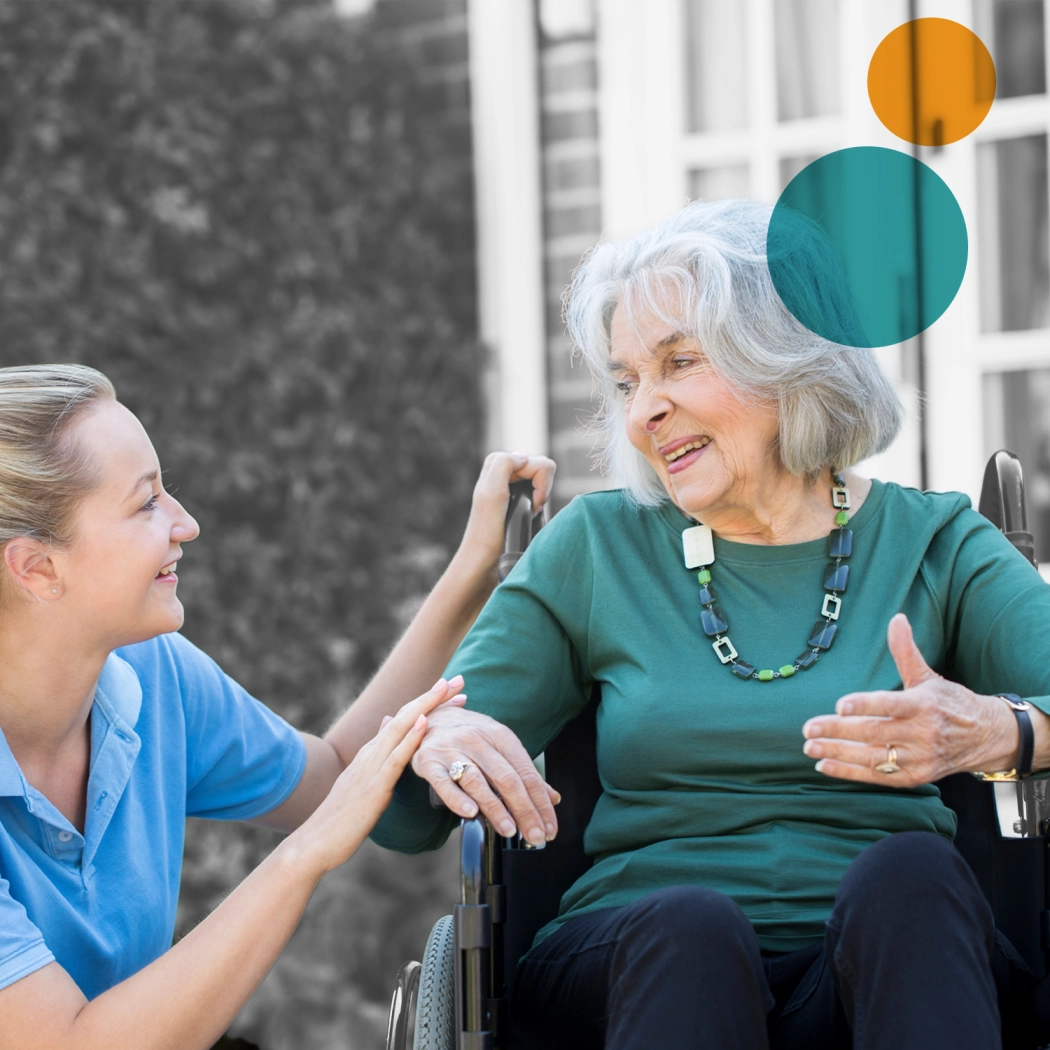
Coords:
pixel 647 155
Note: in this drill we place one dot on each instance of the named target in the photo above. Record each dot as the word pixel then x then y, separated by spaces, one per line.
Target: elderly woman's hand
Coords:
pixel 500 777
pixel 937 727
pixel 483 538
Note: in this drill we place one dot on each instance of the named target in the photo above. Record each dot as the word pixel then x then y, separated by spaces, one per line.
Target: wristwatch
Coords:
pixel 1020 709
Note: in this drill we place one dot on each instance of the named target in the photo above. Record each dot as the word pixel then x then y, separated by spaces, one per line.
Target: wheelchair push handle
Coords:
pixel 519 526
pixel 1003 501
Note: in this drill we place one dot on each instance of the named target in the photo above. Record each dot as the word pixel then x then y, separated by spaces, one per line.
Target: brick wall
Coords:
pixel 572 224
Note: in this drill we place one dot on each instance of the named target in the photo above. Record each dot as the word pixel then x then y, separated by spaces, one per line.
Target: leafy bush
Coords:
pixel 247 215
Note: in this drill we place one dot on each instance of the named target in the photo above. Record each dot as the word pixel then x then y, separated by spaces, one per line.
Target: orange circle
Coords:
pixel 953 71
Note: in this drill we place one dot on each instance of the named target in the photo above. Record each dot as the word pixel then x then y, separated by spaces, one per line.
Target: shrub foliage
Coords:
pixel 250 216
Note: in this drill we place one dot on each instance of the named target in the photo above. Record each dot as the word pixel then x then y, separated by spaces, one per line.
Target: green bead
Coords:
pixel 765 676
pixel 787 670
pixel 704 576
pixel 842 518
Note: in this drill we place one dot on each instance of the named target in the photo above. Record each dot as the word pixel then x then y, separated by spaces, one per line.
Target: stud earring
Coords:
pixel 54 590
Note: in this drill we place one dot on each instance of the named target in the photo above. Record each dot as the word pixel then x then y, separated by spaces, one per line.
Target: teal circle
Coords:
pixel 848 256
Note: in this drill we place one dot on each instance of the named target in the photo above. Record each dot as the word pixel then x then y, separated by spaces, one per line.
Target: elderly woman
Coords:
pixel 734 591
pixel 113 728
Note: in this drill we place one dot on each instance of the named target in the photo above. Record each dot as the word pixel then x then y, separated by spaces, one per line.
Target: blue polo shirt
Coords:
pixel 171 735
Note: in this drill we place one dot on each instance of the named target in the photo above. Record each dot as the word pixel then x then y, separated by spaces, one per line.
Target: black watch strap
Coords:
pixel 1024 724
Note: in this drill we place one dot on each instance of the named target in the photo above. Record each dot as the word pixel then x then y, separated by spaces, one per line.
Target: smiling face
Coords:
pixel 127 532
pixel 713 451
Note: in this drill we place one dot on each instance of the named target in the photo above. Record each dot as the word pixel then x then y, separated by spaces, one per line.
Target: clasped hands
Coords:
pixel 936 727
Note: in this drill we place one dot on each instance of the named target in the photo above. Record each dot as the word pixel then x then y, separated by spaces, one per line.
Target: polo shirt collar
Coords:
pixel 11 780
pixel 119 693
pixel 114 748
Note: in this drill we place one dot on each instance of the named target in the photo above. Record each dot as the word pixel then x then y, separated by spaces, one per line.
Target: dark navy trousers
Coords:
pixel 910 960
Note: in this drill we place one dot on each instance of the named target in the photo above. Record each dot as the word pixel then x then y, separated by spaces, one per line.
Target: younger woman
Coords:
pixel 113 727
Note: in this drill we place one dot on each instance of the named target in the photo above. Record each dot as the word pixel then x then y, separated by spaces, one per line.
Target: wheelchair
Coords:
pixel 457 998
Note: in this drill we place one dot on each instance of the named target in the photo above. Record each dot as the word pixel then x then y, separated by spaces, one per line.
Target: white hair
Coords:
pixel 704 271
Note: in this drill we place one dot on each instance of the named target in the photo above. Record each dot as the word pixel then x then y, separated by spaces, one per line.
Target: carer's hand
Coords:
pixel 497 761
pixel 483 538
pixel 937 727
pixel 363 790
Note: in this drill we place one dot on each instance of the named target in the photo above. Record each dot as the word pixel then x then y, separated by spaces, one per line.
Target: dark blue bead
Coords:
pixel 836 577
pixel 806 660
pixel 840 543
pixel 823 635
pixel 742 669
pixel 707 594
pixel 714 621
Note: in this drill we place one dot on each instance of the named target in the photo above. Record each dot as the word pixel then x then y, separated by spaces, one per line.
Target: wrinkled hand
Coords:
pixel 363 790
pixel 497 761
pixel 937 727
pixel 483 538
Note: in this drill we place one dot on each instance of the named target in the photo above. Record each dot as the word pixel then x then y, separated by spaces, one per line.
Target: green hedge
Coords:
pixel 250 216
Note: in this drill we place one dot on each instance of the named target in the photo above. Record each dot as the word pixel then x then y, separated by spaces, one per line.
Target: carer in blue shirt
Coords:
pixel 114 728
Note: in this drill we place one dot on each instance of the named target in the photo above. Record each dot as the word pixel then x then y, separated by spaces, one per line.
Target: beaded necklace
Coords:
pixel 699 549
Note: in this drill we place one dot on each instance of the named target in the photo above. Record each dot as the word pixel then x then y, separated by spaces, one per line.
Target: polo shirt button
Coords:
pixel 65 836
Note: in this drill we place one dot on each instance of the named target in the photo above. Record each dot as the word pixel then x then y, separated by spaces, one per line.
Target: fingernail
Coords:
pixel 506 829
pixel 421 721
pixel 819 767
pixel 812 729
pixel 846 708
pixel 455 681
pixel 439 684
pixel 813 749
pixel 536 837
pixel 470 810
pixel 459 700
pixel 557 798
pixel 551 831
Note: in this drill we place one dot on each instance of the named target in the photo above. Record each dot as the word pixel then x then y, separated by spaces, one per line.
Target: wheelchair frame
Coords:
pixel 496 877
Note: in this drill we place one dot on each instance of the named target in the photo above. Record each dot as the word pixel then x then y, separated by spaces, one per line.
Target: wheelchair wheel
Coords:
pixel 435 1006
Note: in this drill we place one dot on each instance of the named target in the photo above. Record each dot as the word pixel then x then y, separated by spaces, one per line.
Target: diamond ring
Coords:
pixel 457 769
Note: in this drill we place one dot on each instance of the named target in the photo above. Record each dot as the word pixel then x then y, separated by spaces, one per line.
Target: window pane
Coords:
pixel 1013 32
pixel 1017 417
pixel 791 166
pixel 712 184
pixel 716 65
pixel 1012 217
pixel 807 43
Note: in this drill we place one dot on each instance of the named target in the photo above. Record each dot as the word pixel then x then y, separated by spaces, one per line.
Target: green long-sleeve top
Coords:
pixel 704 780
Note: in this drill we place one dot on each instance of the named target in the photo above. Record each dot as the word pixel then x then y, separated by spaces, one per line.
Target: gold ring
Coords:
pixel 890 765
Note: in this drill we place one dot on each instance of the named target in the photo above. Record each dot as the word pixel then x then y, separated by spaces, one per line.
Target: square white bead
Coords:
pixel 698 546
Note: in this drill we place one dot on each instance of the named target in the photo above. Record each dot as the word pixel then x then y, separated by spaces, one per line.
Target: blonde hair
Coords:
pixel 43 473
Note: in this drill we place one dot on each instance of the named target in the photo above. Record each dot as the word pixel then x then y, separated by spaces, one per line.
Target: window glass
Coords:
pixel 712 184
pixel 1012 234
pixel 1013 32
pixel 564 19
pixel 1017 417
pixel 791 166
pixel 716 65
pixel 807 50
